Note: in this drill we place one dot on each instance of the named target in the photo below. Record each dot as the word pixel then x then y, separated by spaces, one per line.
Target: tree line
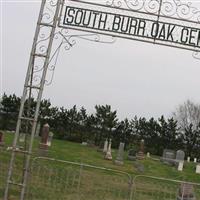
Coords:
pixel 181 131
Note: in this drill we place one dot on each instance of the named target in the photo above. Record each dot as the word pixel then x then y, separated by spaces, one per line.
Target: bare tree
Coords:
pixel 186 114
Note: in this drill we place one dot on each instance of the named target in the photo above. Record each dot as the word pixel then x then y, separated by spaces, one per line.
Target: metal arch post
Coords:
pixel 55 20
pixel 23 99
pixel 27 85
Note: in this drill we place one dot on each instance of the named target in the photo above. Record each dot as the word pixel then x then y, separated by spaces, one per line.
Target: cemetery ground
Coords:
pixel 97 182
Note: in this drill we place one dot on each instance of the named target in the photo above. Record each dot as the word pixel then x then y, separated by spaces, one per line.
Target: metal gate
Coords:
pixel 58 179
pixel 52 179
pixel 155 188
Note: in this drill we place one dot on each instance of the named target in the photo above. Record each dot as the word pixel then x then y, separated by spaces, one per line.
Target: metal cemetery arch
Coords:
pixel 163 22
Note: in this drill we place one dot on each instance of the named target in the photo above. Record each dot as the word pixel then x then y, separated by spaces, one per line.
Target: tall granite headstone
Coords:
pixel 105 148
pixel 140 154
pixel 120 156
pixel 45 134
pixel 108 155
pixel 44 137
pixel 37 132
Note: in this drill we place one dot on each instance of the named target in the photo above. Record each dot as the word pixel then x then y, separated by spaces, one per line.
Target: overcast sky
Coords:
pixel 135 78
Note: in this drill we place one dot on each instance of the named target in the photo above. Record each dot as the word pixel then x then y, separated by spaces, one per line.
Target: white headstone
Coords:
pixel 188 159
pixel 84 143
pixel 48 143
pixel 105 148
pixel 49 140
pixel 195 160
pixel 180 166
pixel 22 137
pixel 198 169
pixel 148 155
pixel 108 155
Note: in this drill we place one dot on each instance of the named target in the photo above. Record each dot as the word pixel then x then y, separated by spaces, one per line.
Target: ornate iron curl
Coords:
pixel 93 37
pixel 68 41
pixel 169 8
pixel 196 55
pixel 48 14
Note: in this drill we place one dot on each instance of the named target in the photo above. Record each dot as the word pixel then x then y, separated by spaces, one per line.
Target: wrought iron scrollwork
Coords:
pixel 196 55
pixel 48 14
pixel 66 39
pixel 167 8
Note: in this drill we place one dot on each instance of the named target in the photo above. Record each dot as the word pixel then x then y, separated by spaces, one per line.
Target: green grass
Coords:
pixel 65 150
pixel 95 182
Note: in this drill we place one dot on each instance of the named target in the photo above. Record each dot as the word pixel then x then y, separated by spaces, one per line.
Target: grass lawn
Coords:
pixel 64 150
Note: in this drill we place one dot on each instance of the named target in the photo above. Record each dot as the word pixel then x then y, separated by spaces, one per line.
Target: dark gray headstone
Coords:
pixel 139 167
pixel 132 154
pixel 180 155
pixel 169 154
pixel 168 157
pixel 120 156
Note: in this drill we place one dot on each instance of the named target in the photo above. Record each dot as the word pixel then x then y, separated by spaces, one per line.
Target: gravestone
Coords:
pixel 37 132
pixel 198 169
pixel 186 192
pixel 84 143
pixel 180 155
pixel 50 138
pixel 148 155
pixel 22 137
pixel 43 146
pixel 132 155
pixel 45 134
pixel 139 167
pixel 105 148
pixel 195 160
pixel 120 156
pixel 168 157
pixel 108 155
pixel 180 166
pixel 188 159
pixel 1 139
pixel 140 154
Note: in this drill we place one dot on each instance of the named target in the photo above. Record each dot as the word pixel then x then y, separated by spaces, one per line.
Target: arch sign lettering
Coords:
pixel 131 24
pixel 173 23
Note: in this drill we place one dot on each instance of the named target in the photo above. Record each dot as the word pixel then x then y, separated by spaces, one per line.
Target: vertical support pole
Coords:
pixel 23 99
pixel 28 87
pixel 55 20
